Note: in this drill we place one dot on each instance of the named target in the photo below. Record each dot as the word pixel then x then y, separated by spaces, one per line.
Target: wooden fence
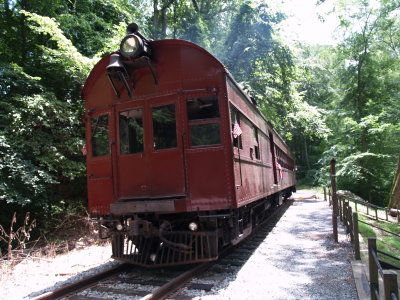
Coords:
pixel 371 209
pixel 377 266
pixel 389 277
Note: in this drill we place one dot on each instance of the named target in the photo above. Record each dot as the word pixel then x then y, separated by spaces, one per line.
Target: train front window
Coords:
pixel 205 134
pixel 202 108
pixel 164 127
pixel 203 116
pixel 131 131
pixel 100 144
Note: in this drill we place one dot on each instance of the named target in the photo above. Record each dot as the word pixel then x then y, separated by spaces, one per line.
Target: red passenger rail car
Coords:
pixel 180 161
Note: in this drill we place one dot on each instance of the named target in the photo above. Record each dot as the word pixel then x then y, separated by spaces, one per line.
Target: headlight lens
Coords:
pixel 119 227
pixel 131 46
pixel 193 226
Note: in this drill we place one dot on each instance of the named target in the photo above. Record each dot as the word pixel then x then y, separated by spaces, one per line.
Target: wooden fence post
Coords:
pixel 334 200
pixel 350 216
pixel 356 238
pixel 376 213
pixel 329 197
pixel 386 212
pixel 344 219
pixel 341 204
pixel 390 284
pixel 324 193
pixel 398 216
pixel 373 268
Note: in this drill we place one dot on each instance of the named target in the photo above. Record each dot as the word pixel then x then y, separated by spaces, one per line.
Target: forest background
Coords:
pixel 327 101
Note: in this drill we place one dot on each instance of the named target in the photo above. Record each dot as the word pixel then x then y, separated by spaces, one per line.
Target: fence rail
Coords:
pixel 389 277
pixel 369 207
pixel 377 267
pixel 376 209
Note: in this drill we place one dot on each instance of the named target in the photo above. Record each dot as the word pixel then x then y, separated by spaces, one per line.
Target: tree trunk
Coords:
pixel 155 19
pixel 307 161
pixel 23 38
pixel 164 22
pixel 395 193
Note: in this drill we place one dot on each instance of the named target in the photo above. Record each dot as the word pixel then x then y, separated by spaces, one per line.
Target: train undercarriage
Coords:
pixel 155 240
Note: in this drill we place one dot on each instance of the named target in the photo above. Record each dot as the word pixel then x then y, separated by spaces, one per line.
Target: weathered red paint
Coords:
pixel 190 178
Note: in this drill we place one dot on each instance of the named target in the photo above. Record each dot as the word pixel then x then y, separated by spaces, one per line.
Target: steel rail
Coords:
pixel 176 283
pixel 83 283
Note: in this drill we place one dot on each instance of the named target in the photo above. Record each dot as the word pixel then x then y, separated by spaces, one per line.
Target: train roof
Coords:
pixel 100 68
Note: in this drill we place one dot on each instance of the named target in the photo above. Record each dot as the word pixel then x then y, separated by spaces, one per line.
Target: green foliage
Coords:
pixel 366 231
pixel 326 101
pixel 353 84
pixel 41 132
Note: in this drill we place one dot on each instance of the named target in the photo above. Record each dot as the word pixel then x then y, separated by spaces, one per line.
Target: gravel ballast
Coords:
pixel 36 276
pixel 298 259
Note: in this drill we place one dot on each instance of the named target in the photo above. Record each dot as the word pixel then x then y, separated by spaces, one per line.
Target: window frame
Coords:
pixel 195 122
pixel 143 127
pixel 236 142
pixel 151 110
pixel 256 135
pixel 92 118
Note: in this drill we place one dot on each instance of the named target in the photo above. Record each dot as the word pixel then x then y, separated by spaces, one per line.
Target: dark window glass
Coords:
pixel 256 144
pixel 202 108
pixel 205 134
pixel 164 127
pixel 131 131
pixel 100 144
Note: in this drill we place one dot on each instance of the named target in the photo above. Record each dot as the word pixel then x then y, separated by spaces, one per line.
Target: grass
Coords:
pixel 384 241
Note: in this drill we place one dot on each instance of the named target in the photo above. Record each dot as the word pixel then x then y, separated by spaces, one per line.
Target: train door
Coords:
pixel 272 149
pixel 150 162
pixel 237 145
pixel 204 151
pixel 99 162
pixel 132 160
pixel 166 173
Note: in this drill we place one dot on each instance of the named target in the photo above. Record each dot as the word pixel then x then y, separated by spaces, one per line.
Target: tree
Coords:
pixel 363 120
pixel 395 192
pixel 42 71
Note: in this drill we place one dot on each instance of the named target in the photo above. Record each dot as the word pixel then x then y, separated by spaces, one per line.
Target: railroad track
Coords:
pixel 127 281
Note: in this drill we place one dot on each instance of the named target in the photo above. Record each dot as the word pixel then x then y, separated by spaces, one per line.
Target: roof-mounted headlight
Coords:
pixel 131 46
pixel 134 44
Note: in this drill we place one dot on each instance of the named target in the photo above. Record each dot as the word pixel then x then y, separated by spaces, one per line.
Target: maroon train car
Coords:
pixel 180 162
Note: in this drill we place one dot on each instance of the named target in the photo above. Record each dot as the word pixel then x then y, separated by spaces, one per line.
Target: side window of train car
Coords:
pixel 256 143
pixel 100 144
pixel 131 131
pixel 164 127
pixel 279 156
pixel 236 130
pixel 203 116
